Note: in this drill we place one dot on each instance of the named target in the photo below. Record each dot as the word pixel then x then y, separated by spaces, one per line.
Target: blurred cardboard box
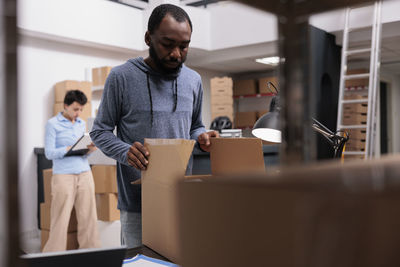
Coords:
pixel 303 215
pixel 99 75
pixel 167 165
pixel 222 100
pixel 245 119
pixel 105 178
pixel 47 174
pixel 106 204
pixel 263 85
pixel 244 87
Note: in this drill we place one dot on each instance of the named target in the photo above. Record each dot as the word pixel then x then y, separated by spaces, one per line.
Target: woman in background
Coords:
pixel 72 181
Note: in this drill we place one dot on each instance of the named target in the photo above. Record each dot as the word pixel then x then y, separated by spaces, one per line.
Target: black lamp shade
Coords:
pixel 267 127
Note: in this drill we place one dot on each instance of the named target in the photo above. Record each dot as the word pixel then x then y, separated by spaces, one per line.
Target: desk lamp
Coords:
pixel 267 128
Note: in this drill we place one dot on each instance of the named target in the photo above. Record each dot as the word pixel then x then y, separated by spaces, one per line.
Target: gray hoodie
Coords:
pixel 143 103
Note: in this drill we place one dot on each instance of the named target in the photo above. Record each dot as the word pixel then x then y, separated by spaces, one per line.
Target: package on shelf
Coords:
pixel 105 178
pixel 355 144
pixel 245 119
pixel 354 119
pixel 359 81
pixel 221 100
pixel 263 85
pixel 99 75
pixel 221 86
pixel 222 110
pixel 106 204
pixel 72 240
pixel 356 133
pixel 355 108
pixel 61 88
pixel 244 87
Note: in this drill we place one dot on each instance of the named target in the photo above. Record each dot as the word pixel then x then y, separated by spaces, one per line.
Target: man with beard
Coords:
pixel 155 97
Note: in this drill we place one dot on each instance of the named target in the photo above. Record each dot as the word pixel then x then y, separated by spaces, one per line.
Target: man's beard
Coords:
pixel 159 62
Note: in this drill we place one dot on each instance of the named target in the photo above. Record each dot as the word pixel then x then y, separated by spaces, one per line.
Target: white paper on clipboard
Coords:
pixel 82 142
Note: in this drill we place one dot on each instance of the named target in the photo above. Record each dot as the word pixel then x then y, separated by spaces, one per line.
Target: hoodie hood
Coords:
pixel 139 62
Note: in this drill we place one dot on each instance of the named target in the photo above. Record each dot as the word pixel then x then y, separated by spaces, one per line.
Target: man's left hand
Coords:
pixel 204 140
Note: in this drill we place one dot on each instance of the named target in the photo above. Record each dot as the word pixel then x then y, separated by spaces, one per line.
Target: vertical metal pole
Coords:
pixel 298 139
pixel 9 132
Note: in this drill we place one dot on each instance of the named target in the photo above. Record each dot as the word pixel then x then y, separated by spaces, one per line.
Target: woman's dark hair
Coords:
pixel 161 11
pixel 75 96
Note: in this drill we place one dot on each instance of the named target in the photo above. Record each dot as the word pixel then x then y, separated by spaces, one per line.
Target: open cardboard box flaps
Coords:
pixel 167 165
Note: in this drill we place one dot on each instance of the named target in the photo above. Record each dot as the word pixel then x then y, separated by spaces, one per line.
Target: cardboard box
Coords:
pixel 106 204
pixel 221 91
pixel 228 109
pixel 354 119
pixel 355 108
pixel 99 75
pixel 105 178
pixel 357 82
pixel 47 174
pixel 45 218
pixel 222 100
pixel 72 240
pixel 167 165
pixel 61 88
pixel 221 82
pixel 263 85
pixel 245 119
pixel 244 87
pixel 293 217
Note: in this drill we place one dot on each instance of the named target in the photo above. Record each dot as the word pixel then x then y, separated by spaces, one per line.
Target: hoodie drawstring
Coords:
pixel 176 94
pixel 151 100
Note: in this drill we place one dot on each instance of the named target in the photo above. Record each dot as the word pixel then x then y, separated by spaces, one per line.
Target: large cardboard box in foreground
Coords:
pixel 167 165
pixel 325 214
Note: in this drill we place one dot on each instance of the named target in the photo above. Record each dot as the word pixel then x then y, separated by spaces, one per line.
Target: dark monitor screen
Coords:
pixel 102 257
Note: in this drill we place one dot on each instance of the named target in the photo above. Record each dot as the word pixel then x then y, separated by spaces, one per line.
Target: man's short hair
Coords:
pixel 161 11
pixel 75 96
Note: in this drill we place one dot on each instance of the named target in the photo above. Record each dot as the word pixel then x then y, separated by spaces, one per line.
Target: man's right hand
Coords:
pixel 138 155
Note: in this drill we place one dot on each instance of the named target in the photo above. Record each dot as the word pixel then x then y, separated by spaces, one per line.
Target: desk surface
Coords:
pixel 132 252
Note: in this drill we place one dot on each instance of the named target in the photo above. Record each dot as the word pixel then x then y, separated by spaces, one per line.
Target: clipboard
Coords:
pixel 80 146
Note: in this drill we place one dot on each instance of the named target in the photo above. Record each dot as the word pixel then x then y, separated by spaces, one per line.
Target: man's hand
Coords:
pixel 204 139
pixel 138 155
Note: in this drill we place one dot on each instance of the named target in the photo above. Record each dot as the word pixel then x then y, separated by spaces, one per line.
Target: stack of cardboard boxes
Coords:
pixel 221 97
pixel 355 113
pixel 72 238
pixel 251 88
pixel 61 88
pixel 105 183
